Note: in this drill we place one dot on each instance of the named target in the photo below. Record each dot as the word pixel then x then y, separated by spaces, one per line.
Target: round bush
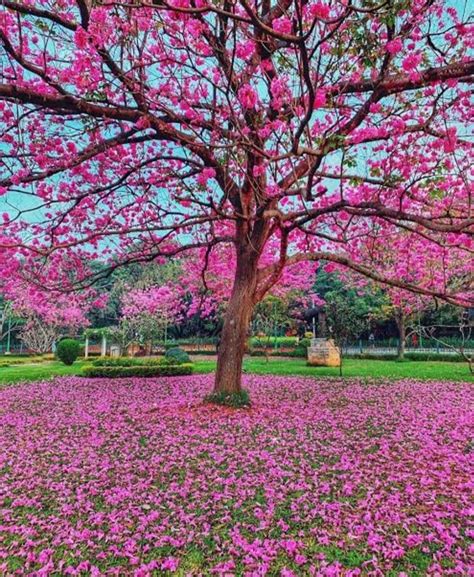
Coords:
pixel 177 355
pixel 68 350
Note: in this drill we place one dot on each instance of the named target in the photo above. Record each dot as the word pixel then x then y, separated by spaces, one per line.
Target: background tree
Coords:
pixel 38 335
pixel 287 132
pixel 460 326
pixel 9 321
pixel 345 322
pixel 148 312
pixel 441 269
pixel 270 316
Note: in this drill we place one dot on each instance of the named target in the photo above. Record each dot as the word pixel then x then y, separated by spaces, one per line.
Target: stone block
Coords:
pixel 323 353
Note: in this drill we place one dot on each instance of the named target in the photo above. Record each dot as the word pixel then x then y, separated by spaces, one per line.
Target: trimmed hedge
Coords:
pixel 113 372
pixel 126 362
pixel 10 362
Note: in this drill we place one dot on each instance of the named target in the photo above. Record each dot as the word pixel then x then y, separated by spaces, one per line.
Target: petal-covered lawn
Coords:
pixel 138 477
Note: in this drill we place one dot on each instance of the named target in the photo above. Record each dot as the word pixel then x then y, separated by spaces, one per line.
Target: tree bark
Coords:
pixel 400 320
pixel 233 341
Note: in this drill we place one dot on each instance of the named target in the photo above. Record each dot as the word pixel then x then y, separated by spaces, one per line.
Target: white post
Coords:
pixel 104 346
pixel 86 348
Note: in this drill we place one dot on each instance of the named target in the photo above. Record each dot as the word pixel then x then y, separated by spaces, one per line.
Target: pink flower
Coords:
pixel 450 141
pixel 258 170
pixel 319 10
pixel 394 46
pixel 287 573
pixel 248 97
pixel 245 49
pixel 204 176
pixel 282 25
pixel 81 38
pixel 320 98
pixel 170 564
pixel 412 61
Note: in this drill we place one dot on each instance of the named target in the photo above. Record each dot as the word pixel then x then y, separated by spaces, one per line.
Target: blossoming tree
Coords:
pixel 436 266
pixel 137 130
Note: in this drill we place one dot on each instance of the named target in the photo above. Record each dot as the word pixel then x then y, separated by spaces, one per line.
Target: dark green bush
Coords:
pixel 68 350
pixel 156 370
pixel 177 355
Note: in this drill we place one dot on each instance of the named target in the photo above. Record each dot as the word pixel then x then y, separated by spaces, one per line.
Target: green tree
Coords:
pixel 345 321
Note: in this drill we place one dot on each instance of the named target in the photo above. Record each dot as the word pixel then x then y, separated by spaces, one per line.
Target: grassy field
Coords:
pixel 37 372
pixel 436 370
pixel 423 370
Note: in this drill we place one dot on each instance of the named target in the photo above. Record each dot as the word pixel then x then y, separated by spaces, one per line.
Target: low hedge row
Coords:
pixel 126 362
pixel 22 361
pixel 163 370
pixel 297 352
pixel 174 359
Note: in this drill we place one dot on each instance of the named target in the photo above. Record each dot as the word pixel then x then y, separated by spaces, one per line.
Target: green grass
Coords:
pixel 436 370
pixel 37 372
pixel 425 370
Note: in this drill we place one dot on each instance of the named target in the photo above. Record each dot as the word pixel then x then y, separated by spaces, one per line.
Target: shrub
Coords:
pixel 117 362
pixel 132 362
pixel 11 361
pixel 271 341
pixel 298 352
pixel 177 355
pixel 155 370
pixel 68 350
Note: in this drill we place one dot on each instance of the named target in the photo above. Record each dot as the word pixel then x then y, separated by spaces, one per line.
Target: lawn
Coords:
pixel 138 477
pixel 423 370
pixel 37 372
pixel 352 368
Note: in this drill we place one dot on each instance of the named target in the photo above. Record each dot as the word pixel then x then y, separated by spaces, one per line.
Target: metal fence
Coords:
pixel 363 348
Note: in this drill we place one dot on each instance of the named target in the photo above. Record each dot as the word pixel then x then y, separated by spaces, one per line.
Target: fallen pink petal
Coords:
pixel 140 477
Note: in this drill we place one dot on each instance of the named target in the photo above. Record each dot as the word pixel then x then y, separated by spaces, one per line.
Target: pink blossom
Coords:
pixel 394 46
pixel 205 175
pixel 248 97
pixel 97 474
pixel 320 98
pixel 319 10
pixel 412 61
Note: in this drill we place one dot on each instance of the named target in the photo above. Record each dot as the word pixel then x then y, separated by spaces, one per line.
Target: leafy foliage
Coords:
pixel 68 350
pixel 177 355
pixel 158 370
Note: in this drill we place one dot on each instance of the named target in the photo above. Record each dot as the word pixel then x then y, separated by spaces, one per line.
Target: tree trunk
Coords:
pixel 400 319
pixel 235 330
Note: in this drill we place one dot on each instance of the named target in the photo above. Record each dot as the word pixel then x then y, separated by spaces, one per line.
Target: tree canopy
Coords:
pixel 285 132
